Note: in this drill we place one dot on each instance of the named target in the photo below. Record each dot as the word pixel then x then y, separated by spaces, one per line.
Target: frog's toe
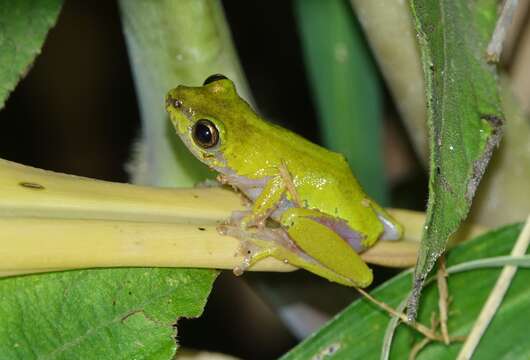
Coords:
pixel 392 230
pixel 237 217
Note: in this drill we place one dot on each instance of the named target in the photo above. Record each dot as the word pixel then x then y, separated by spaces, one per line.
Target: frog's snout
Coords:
pixel 172 102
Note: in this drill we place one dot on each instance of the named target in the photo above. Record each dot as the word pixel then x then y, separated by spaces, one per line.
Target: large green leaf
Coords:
pixel 98 314
pixel 464 115
pixel 23 28
pixel 346 88
pixel 357 333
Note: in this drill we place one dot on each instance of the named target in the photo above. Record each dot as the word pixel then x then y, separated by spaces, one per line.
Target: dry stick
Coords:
pixel 496 296
pixel 418 347
pixel 514 33
pixel 424 330
pixel 441 278
pixel 494 50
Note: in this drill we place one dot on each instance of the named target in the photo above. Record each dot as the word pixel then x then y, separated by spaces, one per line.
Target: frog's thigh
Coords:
pixel 325 245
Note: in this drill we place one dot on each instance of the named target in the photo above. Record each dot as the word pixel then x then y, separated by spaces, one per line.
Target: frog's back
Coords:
pixel 270 144
pixel 322 177
pixel 324 181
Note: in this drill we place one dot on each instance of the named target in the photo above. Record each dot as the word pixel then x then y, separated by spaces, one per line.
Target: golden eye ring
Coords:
pixel 205 134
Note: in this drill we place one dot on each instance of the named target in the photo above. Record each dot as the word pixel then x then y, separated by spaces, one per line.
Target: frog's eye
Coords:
pixel 212 78
pixel 205 134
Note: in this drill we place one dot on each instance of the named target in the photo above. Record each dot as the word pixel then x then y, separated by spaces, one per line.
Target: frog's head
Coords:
pixel 205 117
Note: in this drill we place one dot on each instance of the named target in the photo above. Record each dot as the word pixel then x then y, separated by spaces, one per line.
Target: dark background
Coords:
pixel 76 112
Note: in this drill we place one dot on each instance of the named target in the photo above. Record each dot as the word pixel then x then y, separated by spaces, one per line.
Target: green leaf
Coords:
pixel 346 88
pixel 98 314
pixel 357 333
pixel 23 28
pixel 464 115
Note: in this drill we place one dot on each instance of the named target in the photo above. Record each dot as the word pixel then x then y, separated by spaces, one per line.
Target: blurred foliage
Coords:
pixel 346 88
pixel 23 29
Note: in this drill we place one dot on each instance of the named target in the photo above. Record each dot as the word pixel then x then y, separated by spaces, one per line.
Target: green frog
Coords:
pixel 306 207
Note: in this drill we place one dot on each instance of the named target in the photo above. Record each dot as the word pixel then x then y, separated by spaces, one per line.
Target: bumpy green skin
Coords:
pixel 252 148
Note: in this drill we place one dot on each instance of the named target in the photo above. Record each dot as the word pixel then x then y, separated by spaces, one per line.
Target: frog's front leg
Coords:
pixel 270 198
pixel 265 203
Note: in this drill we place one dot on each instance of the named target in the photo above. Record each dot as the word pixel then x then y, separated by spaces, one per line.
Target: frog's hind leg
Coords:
pixel 305 243
pixel 326 245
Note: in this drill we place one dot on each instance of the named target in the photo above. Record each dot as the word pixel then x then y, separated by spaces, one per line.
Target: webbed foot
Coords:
pixel 256 244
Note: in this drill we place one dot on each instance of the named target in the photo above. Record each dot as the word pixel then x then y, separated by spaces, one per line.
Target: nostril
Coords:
pixel 173 102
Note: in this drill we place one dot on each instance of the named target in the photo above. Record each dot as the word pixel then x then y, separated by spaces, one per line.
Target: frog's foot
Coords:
pixel 252 253
pixel 252 220
pixel 237 217
pixel 223 179
pixel 289 184
pixel 245 219
pixel 249 218
pixel 249 249
pixel 392 229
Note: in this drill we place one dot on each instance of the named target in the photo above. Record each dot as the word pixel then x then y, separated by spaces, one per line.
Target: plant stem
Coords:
pixel 497 294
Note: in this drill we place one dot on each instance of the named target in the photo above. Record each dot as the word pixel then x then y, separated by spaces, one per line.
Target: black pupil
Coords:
pixel 204 134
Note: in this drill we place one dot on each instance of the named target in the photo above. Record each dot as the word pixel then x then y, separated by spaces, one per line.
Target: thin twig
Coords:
pixel 418 347
pixel 390 330
pixel 441 278
pixel 491 262
pixel 497 261
pixel 494 50
pixel 495 297
pixel 424 330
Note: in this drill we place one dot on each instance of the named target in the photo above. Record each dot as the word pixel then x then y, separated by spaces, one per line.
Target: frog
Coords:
pixel 304 205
